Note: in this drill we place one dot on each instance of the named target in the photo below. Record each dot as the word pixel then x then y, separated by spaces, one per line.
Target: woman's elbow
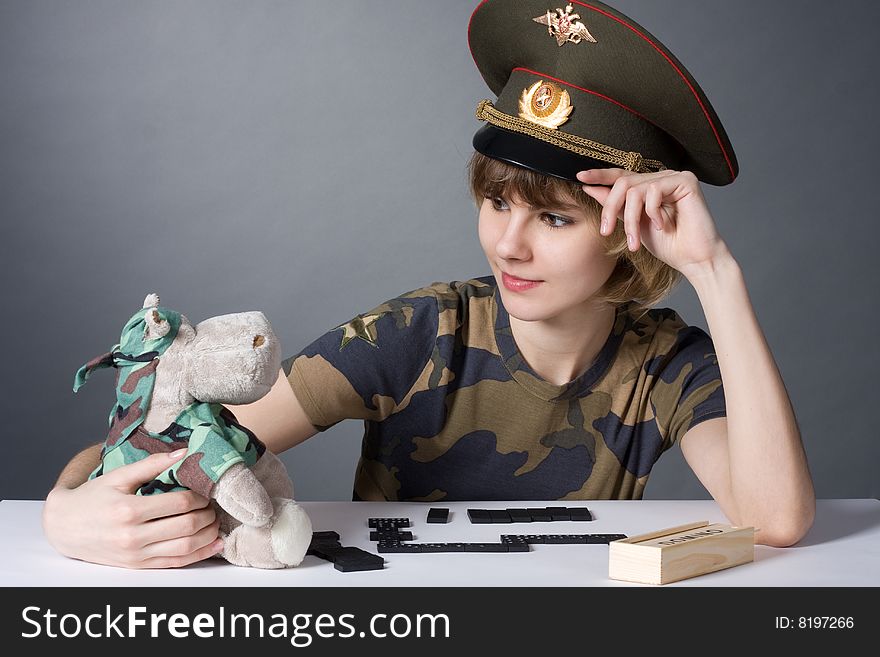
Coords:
pixel 787 531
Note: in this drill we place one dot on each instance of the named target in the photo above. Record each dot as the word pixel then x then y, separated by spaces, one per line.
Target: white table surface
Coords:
pixel 842 549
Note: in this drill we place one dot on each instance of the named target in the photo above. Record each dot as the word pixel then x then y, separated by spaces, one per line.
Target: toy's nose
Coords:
pixel 259 341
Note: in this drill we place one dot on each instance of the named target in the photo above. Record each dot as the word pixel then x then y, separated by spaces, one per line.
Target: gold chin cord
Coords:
pixel 625 159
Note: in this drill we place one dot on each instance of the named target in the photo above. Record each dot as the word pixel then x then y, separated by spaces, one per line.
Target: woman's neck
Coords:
pixel 559 350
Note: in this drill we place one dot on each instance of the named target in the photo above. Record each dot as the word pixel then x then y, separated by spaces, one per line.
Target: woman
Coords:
pixel 552 378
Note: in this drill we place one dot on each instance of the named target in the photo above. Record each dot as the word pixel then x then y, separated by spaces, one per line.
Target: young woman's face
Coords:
pixel 548 262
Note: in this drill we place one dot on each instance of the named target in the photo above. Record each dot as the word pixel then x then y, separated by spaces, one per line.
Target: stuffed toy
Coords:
pixel 172 379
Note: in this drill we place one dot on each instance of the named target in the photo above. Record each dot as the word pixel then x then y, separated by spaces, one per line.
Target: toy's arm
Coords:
pixel 216 466
pixel 242 496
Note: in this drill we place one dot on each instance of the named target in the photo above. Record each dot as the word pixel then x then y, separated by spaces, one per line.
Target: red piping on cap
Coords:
pixel 653 45
pixel 593 93
pixel 471 20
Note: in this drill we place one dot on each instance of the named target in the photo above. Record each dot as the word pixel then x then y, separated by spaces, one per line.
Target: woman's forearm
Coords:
pixel 77 471
pixel 769 475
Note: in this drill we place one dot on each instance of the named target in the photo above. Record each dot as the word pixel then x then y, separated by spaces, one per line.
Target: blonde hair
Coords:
pixel 639 277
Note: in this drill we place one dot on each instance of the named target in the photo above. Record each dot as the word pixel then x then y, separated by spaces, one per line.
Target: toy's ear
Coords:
pixel 157 326
pixel 152 301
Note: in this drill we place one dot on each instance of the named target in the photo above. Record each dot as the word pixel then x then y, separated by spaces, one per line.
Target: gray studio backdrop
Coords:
pixel 307 159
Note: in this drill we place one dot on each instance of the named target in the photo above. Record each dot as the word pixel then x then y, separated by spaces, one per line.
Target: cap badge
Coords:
pixel 565 26
pixel 546 104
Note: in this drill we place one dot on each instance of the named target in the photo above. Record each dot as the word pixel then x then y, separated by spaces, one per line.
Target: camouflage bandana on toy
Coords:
pixel 136 358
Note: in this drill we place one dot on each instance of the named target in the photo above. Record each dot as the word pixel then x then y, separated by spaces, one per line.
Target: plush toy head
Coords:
pixel 232 359
pixel 172 380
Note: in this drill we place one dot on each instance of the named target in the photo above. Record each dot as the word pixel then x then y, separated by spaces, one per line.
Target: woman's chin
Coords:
pixel 528 310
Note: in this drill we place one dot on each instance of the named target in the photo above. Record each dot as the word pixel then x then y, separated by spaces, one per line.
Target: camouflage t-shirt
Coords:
pixel 453 412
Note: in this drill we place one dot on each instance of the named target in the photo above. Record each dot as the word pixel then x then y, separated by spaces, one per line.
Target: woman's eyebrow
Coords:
pixel 556 207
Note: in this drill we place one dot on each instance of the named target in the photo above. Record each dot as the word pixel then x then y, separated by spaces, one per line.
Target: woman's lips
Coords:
pixel 515 284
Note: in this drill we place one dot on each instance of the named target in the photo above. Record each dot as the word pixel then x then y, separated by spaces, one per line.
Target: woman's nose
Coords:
pixel 513 243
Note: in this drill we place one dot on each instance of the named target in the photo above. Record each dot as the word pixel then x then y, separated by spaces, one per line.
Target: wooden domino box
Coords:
pixel 676 553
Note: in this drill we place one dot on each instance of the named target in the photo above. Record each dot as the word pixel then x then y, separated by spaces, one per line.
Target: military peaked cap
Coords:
pixel 582 86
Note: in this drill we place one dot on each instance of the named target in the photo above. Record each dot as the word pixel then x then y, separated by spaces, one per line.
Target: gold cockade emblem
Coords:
pixel 546 104
pixel 565 26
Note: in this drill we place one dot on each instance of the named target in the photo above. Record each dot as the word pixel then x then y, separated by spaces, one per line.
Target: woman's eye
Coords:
pixel 498 203
pixel 554 220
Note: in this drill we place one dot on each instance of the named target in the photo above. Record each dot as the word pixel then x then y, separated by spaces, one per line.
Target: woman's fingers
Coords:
pixel 602 176
pixel 186 545
pixel 175 503
pixel 653 201
pixel 138 509
pixel 598 192
pixel 174 527
pixel 610 176
pixel 178 561
pixel 611 208
pixel 612 205
pixel 181 561
pixel 102 521
pixel 134 475
pixel 180 542
pixel 627 199
pixel 632 216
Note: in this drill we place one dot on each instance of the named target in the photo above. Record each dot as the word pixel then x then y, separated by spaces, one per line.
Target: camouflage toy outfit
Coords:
pixel 453 412
pixel 214 440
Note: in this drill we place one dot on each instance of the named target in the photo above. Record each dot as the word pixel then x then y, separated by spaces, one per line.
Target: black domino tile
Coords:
pixel 540 515
pixel 454 547
pixel 398 548
pixel 486 547
pixel 438 515
pixel 535 514
pixel 434 547
pixel 326 551
pixel 560 539
pixel 324 545
pixel 575 539
pixel 350 553
pixel 558 513
pixel 353 567
pixel 396 535
pixel 384 523
pixel 518 547
pixel 499 516
pixel 317 549
pixel 509 543
pixel 423 548
pixel 479 516
pixel 320 549
pixel 580 513
pixel 612 537
pixel 515 543
pixel 555 539
pixel 322 537
pixel 519 515
pixel 352 559
pixel 513 538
